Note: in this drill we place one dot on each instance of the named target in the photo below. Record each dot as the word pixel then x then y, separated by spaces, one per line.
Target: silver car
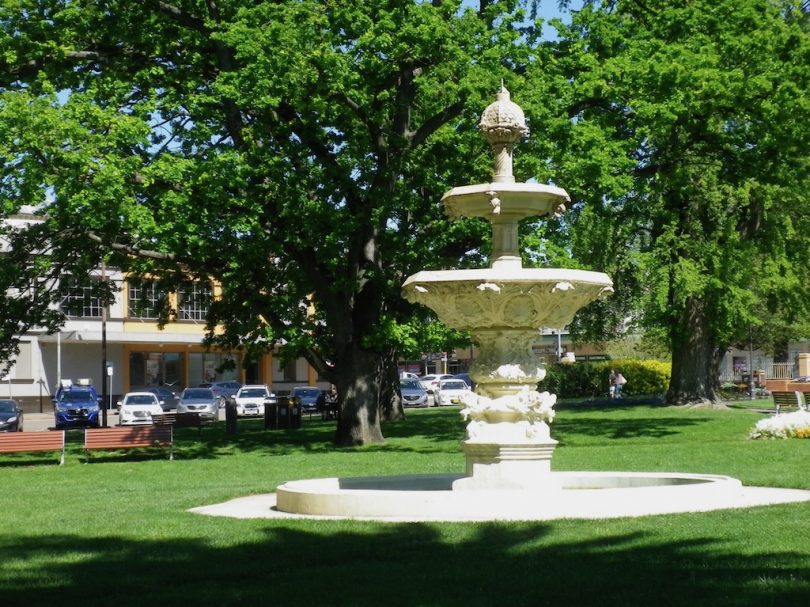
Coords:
pixel 413 394
pixel 199 400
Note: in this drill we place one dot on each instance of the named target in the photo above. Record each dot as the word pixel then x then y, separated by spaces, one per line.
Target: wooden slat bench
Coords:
pixel 26 442
pixel 787 400
pixel 179 420
pixel 128 438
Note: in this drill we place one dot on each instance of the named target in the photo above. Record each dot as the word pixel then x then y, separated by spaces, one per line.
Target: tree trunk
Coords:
pixel 694 357
pixel 358 384
pixel 391 408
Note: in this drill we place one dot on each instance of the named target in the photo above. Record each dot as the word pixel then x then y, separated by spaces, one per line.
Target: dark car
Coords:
pixel 465 377
pixel 75 405
pixel 11 416
pixel 167 396
pixel 308 397
pixel 223 390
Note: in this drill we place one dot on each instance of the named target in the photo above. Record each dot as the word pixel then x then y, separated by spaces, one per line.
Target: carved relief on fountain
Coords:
pixel 470 299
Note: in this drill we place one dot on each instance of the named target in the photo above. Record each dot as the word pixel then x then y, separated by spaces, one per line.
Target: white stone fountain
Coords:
pixel 508 447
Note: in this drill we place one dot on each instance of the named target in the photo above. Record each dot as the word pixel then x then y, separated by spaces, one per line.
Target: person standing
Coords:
pixel 617 383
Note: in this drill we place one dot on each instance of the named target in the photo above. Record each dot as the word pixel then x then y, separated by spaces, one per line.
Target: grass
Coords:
pixel 116 531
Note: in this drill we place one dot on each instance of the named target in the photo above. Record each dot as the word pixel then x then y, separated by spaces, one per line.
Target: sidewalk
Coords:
pixel 38 422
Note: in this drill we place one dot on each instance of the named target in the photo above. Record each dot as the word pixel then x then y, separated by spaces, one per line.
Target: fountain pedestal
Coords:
pixel 504 465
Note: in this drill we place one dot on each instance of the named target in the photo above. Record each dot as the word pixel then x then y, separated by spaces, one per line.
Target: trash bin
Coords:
pixel 283 413
pixel 270 414
pixel 295 413
pixel 230 417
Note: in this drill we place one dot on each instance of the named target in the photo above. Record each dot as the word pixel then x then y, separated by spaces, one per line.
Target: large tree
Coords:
pixel 688 140
pixel 292 151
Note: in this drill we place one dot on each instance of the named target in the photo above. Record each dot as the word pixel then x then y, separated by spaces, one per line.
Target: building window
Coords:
pixel 193 301
pixel 80 300
pixel 146 300
pixel 290 369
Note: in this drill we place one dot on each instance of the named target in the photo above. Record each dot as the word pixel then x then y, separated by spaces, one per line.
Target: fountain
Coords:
pixel 508 447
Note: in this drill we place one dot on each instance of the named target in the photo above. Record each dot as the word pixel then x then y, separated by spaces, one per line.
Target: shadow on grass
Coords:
pixel 362 565
pixel 430 431
pixel 604 426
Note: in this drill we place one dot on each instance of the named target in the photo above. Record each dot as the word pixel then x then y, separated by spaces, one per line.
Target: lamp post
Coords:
pixel 103 349
pixel 750 362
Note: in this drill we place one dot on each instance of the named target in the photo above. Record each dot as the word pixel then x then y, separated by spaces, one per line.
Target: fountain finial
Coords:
pixel 503 124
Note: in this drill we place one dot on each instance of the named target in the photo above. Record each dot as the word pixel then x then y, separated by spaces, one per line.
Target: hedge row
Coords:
pixel 591 380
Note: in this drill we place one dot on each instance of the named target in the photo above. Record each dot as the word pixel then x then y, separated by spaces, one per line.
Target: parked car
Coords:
pixel 408 375
pixel 250 399
pixel 413 394
pixel 167 396
pixel 431 382
pixel 138 408
pixel 199 400
pixel 223 390
pixel 76 404
pixel 308 396
pixel 11 416
pixel 450 392
pixel 465 377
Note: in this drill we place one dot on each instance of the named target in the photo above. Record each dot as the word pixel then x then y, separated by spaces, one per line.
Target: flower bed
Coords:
pixel 784 425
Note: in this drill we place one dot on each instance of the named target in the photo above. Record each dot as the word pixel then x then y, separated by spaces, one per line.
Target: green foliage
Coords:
pixel 591 379
pixel 685 159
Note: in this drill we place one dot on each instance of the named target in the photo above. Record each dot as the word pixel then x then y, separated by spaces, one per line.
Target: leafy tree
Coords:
pixel 292 151
pixel 687 153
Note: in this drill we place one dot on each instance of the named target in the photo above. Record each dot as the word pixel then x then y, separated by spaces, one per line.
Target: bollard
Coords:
pixel 230 417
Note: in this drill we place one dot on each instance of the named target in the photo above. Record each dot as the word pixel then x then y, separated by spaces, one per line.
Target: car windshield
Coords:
pixel 140 399
pixel 252 393
pixel 410 384
pixel 308 392
pixel 6 406
pixel 453 385
pixel 198 393
pixel 77 397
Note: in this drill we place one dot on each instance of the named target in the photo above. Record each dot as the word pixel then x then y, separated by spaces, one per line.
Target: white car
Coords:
pixel 138 408
pixel 431 382
pixel 250 400
pixel 450 392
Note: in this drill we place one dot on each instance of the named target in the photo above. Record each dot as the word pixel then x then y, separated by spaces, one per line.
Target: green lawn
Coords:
pixel 116 531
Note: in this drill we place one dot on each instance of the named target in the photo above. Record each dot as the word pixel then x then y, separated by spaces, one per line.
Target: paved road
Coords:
pixel 36 422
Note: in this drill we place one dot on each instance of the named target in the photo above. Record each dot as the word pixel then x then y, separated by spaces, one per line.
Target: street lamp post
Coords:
pixel 751 362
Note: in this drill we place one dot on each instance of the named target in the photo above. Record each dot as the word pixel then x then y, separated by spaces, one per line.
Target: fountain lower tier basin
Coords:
pixel 525 298
pixel 585 495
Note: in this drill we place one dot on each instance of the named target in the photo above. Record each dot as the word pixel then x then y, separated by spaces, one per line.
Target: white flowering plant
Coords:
pixel 784 425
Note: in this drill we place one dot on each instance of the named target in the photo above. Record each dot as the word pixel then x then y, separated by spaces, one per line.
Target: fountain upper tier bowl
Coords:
pixel 514 201
pixel 506 297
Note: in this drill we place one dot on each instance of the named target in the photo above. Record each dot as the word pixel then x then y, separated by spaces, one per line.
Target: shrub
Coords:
pixel 590 380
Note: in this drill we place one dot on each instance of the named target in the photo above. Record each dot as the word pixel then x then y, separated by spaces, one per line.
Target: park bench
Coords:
pixel 180 420
pixel 131 437
pixel 27 442
pixel 787 400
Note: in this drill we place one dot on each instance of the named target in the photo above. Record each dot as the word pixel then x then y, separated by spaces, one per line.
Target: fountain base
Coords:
pixel 523 465
pixel 581 495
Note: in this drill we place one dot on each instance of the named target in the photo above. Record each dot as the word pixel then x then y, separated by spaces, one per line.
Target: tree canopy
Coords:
pixel 292 151
pixel 688 144
pixel 295 153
